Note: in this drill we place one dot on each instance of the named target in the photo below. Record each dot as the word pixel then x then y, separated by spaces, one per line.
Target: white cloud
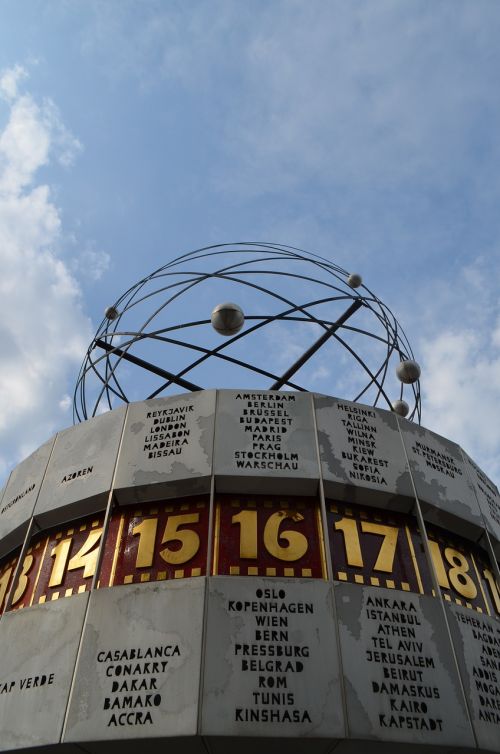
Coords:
pixel 43 331
pixel 9 81
pixel 65 403
pixel 32 134
pixel 91 263
pixel 24 145
pixel 461 365
pixel 65 146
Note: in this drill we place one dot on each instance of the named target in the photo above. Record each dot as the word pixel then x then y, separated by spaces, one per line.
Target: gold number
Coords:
pixel 147 536
pixel 248 533
pixel 297 542
pixel 189 539
pixel 385 559
pixel 4 583
pixel 349 529
pixel 22 583
pixel 492 584
pixel 60 552
pixel 352 544
pixel 86 558
pixel 458 573
pixel 82 559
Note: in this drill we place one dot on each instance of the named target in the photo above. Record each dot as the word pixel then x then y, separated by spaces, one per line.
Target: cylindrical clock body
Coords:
pixel 242 568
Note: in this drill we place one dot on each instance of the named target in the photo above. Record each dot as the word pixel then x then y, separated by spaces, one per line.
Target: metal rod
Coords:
pixel 146 365
pixel 315 346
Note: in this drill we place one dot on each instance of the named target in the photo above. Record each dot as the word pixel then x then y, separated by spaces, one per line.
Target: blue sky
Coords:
pixel 366 132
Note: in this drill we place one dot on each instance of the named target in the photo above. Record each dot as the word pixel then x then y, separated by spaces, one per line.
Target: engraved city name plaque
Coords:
pixel 20 496
pixel 477 646
pixel 139 667
pixel 265 442
pixel 362 454
pixel 441 481
pixel 80 470
pixel 400 680
pixel 39 647
pixel 271 664
pixel 167 448
pixel 488 498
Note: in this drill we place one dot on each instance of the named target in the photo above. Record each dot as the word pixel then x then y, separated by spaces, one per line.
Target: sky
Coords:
pixel 366 132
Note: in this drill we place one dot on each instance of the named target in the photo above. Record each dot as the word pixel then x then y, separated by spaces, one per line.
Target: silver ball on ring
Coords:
pixel 400 407
pixel 408 371
pixel 111 313
pixel 354 280
pixel 227 319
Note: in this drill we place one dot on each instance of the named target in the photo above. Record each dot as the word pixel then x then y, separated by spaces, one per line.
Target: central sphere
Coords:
pixel 227 319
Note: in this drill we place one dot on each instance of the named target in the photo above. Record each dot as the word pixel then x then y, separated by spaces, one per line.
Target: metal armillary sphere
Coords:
pixel 249 315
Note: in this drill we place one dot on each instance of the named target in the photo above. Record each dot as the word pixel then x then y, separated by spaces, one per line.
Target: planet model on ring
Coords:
pixel 354 280
pixel 227 319
pixel 401 408
pixel 408 371
pixel 111 313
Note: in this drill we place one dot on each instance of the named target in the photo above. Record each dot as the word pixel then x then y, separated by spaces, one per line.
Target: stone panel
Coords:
pixel 80 470
pixel 138 671
pixel 441 481
pixel 20 496
pixel 265 443
pixel 271 662
pixel 401 682
pixel 477 646
pixel 167 448
pixel 36 671
pixel 362 454
pixel 488 498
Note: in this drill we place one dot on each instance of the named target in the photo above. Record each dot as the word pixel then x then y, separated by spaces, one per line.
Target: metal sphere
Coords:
pixel 408 371
pixel 401 408
pixel 111 313
pixel 354 280
pixel 227 319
